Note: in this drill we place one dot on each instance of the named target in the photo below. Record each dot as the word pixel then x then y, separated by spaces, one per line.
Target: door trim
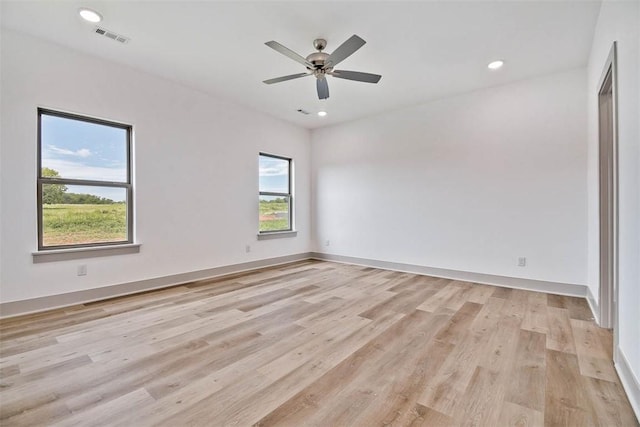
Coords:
pixel 608 295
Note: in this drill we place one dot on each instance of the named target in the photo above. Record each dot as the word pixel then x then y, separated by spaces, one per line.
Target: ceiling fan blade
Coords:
pixel 345 50
pixel 288 52
pixel 285 78
pixel 323 88
pixel 356 75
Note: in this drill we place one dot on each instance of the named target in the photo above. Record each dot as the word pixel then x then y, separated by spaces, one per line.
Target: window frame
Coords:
pixel 40 180
pixel 288 195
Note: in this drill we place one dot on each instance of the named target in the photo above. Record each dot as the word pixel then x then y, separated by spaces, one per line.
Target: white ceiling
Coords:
pixel 424 50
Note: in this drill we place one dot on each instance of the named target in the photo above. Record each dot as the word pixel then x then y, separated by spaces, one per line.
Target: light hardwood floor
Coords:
pixel 314 343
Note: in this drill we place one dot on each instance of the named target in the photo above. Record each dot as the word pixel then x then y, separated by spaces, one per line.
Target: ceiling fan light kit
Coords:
pixel 321 64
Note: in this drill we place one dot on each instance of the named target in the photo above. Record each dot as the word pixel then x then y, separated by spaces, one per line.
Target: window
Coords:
pixel 84 181
pixel 275 198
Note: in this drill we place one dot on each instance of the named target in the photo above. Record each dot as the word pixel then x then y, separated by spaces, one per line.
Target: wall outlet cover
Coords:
pixel 82 270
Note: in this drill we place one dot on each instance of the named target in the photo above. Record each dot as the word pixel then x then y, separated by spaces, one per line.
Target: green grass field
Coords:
pixel 66 224
pixel 271 215
pixel 78 224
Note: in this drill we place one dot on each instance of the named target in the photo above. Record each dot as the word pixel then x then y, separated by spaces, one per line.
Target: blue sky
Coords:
pixel 82 150
pixel 274 175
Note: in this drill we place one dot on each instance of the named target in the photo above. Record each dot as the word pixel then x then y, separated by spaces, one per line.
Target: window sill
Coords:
pixel 80 253
pixel 277 235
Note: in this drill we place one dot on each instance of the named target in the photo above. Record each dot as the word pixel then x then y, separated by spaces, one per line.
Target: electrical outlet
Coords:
pixel 522 261
pixel 82 270
pixel 327 242
pixel 247 248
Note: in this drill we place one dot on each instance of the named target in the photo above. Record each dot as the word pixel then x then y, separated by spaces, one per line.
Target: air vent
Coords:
pixel 305 112
pixel 112 35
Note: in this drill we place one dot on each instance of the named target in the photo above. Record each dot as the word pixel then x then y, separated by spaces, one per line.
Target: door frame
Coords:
pixel 608 227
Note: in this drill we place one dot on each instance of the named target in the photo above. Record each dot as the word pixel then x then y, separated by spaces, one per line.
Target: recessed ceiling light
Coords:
pixel 495 65
pixel 322 113
pixel 90 15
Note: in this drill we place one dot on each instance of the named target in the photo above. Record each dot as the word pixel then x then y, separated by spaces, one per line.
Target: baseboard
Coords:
pixel 35 305
pixel 629 380
pixel 487 279
pixel 593 305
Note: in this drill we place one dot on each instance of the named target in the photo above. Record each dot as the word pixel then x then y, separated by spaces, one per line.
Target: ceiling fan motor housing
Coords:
pixel 317 59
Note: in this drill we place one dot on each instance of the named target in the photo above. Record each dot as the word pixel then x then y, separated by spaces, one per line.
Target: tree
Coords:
pixel 85 199
pixel 52 193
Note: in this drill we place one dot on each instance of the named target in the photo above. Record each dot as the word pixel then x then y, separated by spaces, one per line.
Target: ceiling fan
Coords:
pixel 321 64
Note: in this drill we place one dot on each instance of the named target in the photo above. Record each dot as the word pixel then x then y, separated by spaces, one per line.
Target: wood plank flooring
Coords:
pixel 314 343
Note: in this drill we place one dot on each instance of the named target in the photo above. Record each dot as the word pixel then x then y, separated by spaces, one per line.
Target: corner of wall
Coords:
pixel 593 305
pixel 628 379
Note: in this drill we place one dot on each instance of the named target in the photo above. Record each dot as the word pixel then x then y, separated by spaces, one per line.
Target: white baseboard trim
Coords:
pixel 594 306
pixel 39 304
pixel 35 305
pixel 630 381
pixel 467 276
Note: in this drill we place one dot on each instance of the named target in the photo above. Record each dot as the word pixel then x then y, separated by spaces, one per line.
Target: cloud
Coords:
pixel 83 152
pixel 73 170
pixel 275 168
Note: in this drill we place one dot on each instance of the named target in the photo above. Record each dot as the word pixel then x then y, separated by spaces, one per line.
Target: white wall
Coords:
pixel 619 21
pixel 467 183
pixel 196 170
